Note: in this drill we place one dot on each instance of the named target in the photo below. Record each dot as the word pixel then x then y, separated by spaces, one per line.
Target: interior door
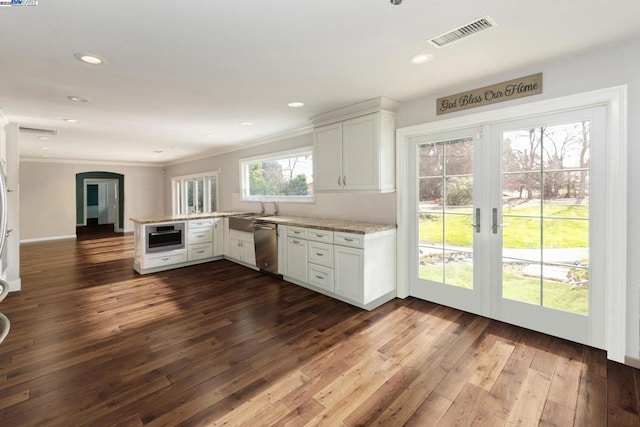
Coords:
pixel 447 182
pixel 509 222
pixel 103 203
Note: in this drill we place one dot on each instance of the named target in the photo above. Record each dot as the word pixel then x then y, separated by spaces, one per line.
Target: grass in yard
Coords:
pixel 520 232
pixel 516 286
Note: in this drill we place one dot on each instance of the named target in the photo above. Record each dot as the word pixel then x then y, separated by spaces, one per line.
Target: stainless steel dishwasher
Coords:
pixel 265 237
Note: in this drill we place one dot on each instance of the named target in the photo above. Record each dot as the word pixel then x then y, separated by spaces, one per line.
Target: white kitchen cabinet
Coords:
pixel 357 154
pixel 364 266
pixel 297 258
pixel 200 239
pixel 282 250
pixel 241 247
pixel 218 237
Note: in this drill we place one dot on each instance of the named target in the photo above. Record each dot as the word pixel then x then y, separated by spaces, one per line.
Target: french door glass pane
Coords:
pixel 213 193
pixel 545 216
pixel 445 212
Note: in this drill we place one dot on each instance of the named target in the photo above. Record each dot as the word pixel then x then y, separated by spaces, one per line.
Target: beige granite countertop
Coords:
pixel 356 227
pixel 170 218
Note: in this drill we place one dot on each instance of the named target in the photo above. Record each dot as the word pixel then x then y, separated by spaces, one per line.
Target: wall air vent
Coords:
pixel 36 131
pixel 463 32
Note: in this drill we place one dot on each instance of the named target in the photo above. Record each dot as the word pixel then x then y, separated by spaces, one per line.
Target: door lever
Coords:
pixel 476 225
pixel 495 225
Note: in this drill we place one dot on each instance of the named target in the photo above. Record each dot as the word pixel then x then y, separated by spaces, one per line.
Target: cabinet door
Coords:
pixel 235 247
pixel 349 272
pixel 218 237
pixel 282 250
pixel 297 259
pixel 361 152
pixel 327 157
pixel 248 252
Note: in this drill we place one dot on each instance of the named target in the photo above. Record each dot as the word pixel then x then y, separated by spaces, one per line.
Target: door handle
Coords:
pixel 339 181
pixel 495 225
pixel 344 181
pixel 476 225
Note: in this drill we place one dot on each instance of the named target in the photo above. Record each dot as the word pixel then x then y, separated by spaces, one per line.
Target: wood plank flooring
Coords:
pixel 94 343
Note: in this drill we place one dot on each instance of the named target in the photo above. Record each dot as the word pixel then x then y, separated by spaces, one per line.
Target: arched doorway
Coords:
pixel 99 204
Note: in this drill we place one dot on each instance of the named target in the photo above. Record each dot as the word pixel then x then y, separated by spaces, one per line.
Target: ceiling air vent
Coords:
pixel 463 32
pixel 36 131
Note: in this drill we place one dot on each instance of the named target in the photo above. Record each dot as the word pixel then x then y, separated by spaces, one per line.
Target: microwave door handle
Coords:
pixel 160 233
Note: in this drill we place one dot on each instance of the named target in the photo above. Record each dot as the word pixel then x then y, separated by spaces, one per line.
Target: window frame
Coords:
pixel 179 193
pixel 243 167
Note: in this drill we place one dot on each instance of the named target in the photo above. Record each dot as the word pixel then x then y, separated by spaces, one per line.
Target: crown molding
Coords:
pixel 369 106
pixel 244 145
pixel 89 162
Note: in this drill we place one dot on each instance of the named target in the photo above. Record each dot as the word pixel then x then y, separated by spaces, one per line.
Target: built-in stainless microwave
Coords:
pixel 164 237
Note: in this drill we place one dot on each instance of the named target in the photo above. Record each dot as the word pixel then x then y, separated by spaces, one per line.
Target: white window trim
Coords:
pixel 244 178
pixel 174 196
pixel 615 100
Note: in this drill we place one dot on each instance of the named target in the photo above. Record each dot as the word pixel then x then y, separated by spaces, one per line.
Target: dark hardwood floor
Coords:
pixel 93 343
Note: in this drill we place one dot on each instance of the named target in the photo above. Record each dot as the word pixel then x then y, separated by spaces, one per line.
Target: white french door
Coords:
pixel 508 221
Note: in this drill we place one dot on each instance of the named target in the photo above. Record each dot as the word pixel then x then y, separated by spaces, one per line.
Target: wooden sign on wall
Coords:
pixel 512 89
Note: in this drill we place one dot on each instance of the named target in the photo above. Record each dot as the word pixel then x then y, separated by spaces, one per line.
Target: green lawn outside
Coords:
pixel 516 286
pixel 519 232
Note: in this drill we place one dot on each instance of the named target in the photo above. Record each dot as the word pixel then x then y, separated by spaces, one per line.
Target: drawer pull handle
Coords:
pixel 319 277
pixel 200 252
pixel 317 254
pixel 319 235
pixel 297 242
pixel 348 239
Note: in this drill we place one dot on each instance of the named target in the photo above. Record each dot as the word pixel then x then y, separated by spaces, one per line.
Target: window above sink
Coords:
pixel 285 176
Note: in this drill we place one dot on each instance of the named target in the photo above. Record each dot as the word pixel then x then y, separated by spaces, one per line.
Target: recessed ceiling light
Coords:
pixel 157 151
pixel 421 58
pixel 43 138
pixel 296 104
pixel 71 121
pixel 210 135
pixel 88 59
pixel 246 123
pixel 45 155
pixel 176 148
pixel 77 99
pixel 44 148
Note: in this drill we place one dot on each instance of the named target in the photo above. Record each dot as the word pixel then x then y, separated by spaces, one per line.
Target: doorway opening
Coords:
pixel 99 205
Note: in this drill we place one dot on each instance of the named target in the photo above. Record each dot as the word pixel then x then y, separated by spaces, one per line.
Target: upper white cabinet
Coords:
pixel 356 153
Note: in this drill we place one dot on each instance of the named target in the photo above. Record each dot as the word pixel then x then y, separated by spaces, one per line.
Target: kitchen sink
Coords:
pixel 244 222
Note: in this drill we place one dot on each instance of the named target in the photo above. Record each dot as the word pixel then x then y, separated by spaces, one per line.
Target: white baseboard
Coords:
pixel 15 285
pixel 47 239
pixel 632 361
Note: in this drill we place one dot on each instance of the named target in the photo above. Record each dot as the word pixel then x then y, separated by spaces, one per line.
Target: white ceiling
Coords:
pixel 177 71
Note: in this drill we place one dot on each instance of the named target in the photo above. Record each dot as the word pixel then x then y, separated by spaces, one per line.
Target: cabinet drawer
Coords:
pixel 197 223
pixel 200 251
pixel 321 277
pixel 162 260
pixel 349 239
pixel 203 235
pixel 299 232
pixel 321 253
pixel 320 235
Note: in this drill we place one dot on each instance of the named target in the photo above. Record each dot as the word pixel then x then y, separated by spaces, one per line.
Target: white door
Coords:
pixel 534 194
pixel 446 220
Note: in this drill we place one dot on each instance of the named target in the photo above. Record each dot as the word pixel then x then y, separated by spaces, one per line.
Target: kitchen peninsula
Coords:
pixel 348 260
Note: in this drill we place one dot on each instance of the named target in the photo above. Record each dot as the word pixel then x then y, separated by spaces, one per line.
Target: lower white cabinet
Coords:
pixel 349 272
pixel 164 259
pixel 241 247
pixel 356 268
pixel 320 276
pixel 297 258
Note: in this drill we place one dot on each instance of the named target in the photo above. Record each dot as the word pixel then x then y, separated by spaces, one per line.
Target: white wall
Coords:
pixel 607 67
pixel 349 206
pixel 48 196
